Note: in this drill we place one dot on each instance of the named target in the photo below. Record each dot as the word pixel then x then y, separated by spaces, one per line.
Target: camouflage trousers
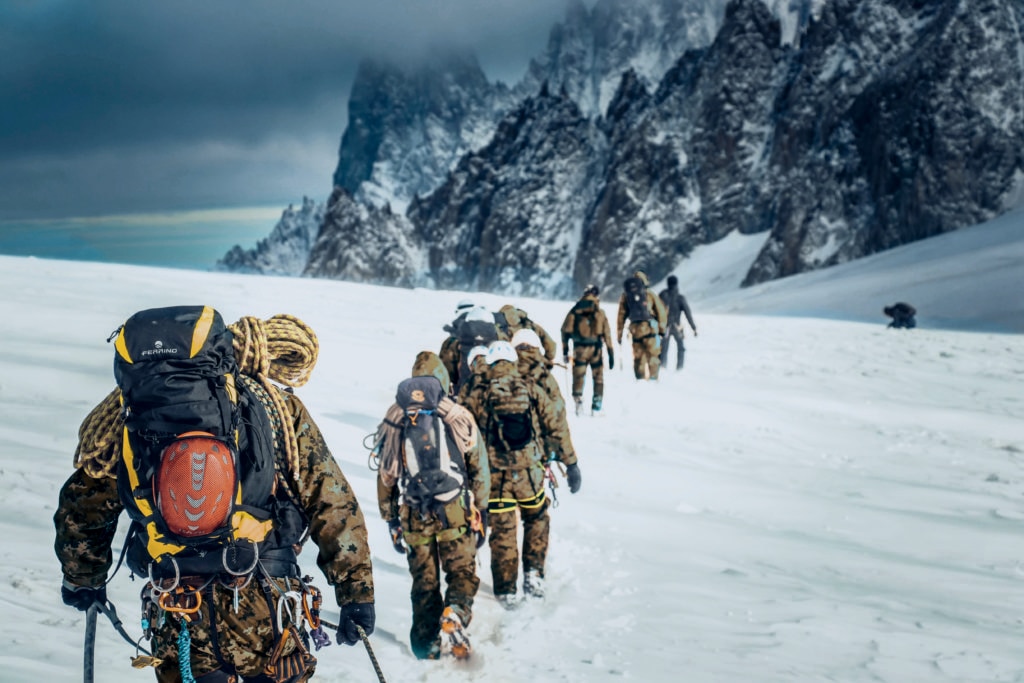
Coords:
pixel 584 357
pixel 431 549
pixel 515 491
pixel 646 351
pixel 242 642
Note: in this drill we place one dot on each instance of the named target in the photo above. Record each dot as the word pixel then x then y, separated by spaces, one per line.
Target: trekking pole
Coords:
pixel 89 659
pixel 366 642
pixel 369 651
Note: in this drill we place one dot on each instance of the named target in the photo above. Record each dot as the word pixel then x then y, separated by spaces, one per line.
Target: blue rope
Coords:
pixel 185 654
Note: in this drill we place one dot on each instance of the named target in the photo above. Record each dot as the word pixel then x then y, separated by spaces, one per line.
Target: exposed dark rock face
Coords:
pixel 649 127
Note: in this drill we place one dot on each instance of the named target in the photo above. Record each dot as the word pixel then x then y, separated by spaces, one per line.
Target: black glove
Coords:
pixel 611 359
pixel 395 529
pixel 82 597
pixel 355 614
pixel 482 534
pixel 572 473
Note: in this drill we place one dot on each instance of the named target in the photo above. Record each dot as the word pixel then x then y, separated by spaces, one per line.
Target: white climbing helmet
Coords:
pixel 501 350
pixel 526 337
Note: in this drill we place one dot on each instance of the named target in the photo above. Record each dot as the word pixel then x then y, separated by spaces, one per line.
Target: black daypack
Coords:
pixel 584 325
pixel 636 300
pixel 433 467
pixel 473 333
pixel 197 469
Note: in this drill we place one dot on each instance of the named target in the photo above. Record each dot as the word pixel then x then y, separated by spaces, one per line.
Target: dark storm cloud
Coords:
pixel 147 81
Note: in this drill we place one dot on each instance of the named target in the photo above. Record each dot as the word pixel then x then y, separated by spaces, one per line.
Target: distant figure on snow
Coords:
pixel 902 315
pixel 676 304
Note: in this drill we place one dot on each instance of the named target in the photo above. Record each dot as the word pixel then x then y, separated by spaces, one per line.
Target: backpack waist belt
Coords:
pixel 586 342
pixel 646 336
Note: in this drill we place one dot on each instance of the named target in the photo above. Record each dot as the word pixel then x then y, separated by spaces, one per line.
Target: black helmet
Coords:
pixel 591 289
pixel 672 281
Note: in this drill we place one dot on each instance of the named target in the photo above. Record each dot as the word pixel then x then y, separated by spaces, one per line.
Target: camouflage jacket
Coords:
pixel 533 367
pixel 88 511
pixel 517 319
pixel 602 330
pixel 548 426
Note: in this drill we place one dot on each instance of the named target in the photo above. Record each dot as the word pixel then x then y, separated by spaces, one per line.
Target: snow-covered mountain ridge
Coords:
pixel 839 128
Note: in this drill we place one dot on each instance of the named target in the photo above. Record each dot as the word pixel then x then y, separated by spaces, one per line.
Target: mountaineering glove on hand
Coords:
pixel 611 360
pixel 355 614
pixel 572 473
pixel 395 529
pixel 82 597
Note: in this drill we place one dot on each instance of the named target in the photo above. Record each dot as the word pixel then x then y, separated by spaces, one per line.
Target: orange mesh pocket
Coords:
pixel 195 485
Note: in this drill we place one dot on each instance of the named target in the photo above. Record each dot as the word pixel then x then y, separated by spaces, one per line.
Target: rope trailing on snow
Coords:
pixel 282 349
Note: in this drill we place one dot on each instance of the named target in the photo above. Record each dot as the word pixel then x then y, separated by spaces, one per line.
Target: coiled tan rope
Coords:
pixel 99 438
pixel 282 349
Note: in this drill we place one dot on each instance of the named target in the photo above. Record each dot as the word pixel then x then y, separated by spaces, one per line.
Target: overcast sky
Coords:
pixel 115 107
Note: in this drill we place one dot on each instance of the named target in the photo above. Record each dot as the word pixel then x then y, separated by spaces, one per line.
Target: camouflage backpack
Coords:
pixel 509 408
pixel 584 326
pixel 636 300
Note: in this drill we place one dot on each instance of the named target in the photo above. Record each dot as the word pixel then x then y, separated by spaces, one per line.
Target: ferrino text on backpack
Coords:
pixel 636 300
pixel 197 472
pixel 584 325
pixel 433 468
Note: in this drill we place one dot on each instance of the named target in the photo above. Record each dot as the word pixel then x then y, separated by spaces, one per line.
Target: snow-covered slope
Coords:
pixel 809 500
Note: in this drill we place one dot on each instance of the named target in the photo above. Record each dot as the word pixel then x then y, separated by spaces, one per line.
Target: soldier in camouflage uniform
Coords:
pixel 516 417
pixel 243 642
pixel 475 327
pixel 535 369
pixel 510 320
pixel 647 334
pixel 587 326
pixel 433 541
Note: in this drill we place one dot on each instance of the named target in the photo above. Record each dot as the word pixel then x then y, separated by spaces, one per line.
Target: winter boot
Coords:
pixel 454 635
pixel 509 601
pixel 533 584
pixel 595 405
pixel 579 405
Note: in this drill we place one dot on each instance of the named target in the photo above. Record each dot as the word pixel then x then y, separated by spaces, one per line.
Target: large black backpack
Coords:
pixel 584 323
pixel 197 470
pixel 433 467
pixel 636 300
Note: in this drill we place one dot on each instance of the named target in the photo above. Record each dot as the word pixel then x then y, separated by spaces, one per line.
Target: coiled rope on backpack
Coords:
pixel 281 349
pixel 388 439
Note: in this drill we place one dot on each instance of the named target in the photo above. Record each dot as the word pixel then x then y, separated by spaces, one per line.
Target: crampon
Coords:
pixel 453 635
